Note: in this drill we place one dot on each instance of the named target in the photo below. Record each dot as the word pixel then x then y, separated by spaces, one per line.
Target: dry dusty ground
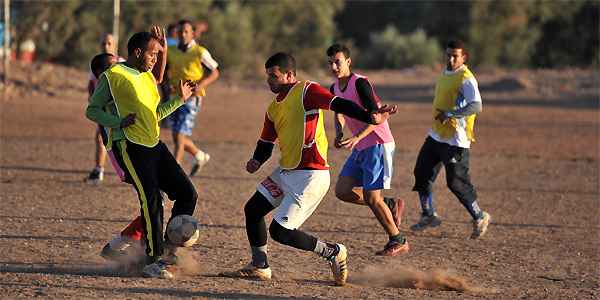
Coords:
pixel 535 165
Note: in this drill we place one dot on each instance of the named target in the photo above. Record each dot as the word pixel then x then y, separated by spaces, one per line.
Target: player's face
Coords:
pixel 150 55
pixel 339 65
pixel 107 45
pixel 186 33
pixel 278 80
pixel 455 58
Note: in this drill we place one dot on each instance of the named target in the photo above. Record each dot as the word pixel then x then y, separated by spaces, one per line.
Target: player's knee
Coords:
pixel 454 184
pixel 279 233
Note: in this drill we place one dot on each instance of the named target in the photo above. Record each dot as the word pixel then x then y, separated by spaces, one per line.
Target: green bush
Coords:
pixel 390 49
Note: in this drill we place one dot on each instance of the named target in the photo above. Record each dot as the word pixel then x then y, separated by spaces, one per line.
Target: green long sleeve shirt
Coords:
pixel 102 110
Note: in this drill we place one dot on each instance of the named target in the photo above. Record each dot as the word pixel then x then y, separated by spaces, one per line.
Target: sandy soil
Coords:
pixel 535 166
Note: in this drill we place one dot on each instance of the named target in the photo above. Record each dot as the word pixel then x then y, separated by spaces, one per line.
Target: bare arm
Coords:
pixel 159 68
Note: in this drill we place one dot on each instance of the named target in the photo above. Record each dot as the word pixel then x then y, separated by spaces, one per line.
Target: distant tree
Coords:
pixel 390 49
pixel 230 38
pixel 570 38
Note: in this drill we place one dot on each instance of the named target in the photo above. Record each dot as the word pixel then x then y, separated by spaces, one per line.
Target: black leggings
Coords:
pixel 255 210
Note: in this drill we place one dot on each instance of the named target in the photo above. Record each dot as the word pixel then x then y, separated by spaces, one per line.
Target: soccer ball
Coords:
pixel 183 231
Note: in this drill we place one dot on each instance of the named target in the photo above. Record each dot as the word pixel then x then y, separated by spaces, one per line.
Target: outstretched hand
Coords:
pixel 383 113
pixel 186 89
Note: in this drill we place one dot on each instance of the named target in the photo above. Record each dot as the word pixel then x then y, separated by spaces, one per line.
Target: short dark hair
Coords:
pixel 171 27
pixel 284 61
pixel 456 44
pixel 100 63
pixel 138 40
pixel 183 22
pixel 335 48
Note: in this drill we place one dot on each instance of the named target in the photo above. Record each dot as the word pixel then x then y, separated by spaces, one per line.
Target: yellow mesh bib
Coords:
pixel 289 118
pixel 136 92
pixel 446 92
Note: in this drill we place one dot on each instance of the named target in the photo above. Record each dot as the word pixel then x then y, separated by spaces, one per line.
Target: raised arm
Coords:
pixel 159 68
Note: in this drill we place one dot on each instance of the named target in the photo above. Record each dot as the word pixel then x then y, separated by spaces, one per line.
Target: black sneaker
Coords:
pixel 95 176
pixel 426 221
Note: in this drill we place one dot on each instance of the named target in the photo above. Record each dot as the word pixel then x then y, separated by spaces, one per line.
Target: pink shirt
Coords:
pixel 382 133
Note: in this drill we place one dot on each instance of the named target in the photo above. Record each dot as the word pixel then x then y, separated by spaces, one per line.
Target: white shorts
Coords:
pixel 295 194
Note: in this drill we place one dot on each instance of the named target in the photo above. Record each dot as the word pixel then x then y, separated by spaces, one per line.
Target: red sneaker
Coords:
pixel 394 248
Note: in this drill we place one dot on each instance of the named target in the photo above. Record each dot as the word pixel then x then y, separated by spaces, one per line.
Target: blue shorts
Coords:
pixel 371 167
pixel 183 119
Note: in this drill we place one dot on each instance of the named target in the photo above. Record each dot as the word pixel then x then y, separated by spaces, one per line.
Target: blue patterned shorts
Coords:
pixel 183 119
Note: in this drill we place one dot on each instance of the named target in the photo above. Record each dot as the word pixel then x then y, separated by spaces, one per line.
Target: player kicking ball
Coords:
pixel 297 186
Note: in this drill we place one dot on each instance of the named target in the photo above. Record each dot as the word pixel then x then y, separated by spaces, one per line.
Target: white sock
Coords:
pixel 199 155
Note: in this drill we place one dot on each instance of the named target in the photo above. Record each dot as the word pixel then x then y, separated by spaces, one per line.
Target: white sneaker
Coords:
pixel 480 225
pixel 339 265
pixel 250 272
pixel 157 270
pixel 199 163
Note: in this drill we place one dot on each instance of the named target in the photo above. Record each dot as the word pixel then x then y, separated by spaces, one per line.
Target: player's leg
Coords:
pixel 142 165
pixel 426 170
pixel 178 187
pixel 377 167
pixel 268 195
pixel 304 190
pixel 458 180
pixel 348 187
pixel 200 158
pixel 97 174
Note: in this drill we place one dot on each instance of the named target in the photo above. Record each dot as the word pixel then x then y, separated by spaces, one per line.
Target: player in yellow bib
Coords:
pixel 295 188
pixel 187 61
pixel 456 103
pixel 131 87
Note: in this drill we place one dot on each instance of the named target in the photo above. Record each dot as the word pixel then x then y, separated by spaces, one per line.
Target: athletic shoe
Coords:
pixel 109 253
pixel 480 225
pixel 393 248
pixel 158 269
pixel 426 221
pixel 250 272
pixel 199 164
pixel 95 176
pixel 339 265
pixel 396 206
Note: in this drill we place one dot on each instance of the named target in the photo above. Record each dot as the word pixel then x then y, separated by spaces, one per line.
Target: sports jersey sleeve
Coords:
pixel 469 100
pixel 164 109
pixel 98 101
pixel 268 133
pixel 208 60
pixel 317 97
pixel 366 94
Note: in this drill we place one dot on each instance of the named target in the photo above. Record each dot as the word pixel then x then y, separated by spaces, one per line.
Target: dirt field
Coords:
pixel 535 166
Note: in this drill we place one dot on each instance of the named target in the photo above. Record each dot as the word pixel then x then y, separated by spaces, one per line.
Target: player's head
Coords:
pixel 107 44
pixel 186 31
pixel 281 71
pixel 101 63
pixel 456 54
pixel 143 51
pixel 339 60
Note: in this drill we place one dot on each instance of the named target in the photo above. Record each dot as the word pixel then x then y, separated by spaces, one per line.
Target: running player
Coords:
pixel 456 103
pixel 297 186
pixel 368 170
pixel 187 61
